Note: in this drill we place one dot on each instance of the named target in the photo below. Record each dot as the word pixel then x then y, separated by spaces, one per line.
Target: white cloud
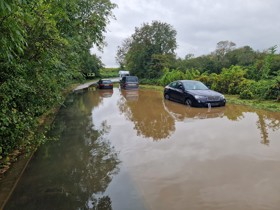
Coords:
pixel 200 24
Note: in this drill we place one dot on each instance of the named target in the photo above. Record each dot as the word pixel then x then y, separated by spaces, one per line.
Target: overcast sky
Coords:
pixel 200 24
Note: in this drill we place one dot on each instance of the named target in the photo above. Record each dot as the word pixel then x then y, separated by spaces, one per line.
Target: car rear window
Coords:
pixel 132 79
pixel 106 81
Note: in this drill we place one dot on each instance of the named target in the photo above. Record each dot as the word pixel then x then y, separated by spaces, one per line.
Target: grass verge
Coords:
pixel 258 104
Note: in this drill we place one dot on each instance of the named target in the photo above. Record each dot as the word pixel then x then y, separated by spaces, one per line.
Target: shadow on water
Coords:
pixel 74 171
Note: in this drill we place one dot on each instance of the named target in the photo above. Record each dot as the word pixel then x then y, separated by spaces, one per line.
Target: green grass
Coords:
pixel 234 99
pixel 109 72
pixel 153 87
pixel 259 104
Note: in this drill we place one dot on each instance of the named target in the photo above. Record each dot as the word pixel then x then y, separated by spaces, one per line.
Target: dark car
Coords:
pixel 129 82
pixel 105 84
pixel 193 93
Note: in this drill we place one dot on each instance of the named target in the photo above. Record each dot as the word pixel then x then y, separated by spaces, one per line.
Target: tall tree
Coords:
pixel 223 47
pixel 150 49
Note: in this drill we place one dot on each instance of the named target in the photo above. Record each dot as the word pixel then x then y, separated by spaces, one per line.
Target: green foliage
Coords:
pixel 145 81
pixel 268 89
pixel 91 64
pixel 266 67
pixel 229 79
pixel 109 72
pixel 44 46
pixel 246 94
pixel 149 50
pixel 170 76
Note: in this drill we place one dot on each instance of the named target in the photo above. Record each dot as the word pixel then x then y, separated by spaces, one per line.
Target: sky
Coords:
pixel 200 24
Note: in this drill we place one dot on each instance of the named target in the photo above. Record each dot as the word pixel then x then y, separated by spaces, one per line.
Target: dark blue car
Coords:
pixel 193 93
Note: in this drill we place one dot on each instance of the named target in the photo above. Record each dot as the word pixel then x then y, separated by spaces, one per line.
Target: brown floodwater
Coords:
pixel 134 150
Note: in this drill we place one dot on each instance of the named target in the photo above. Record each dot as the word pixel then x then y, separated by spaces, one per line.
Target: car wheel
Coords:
pixel 166 96
pixel 188 102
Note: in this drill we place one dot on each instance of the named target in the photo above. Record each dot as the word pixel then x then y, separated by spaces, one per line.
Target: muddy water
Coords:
pixel 134 150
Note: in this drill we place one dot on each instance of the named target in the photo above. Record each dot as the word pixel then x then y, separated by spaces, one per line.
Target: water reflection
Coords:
pixel 105 93
pixel 216 158
pixel 266 120
pixel 150 118
pixel 73 172
pixel 130 95
pixel 155 118
pixel 182 112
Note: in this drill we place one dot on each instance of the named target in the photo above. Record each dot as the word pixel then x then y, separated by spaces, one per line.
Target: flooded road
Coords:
pixel 134 150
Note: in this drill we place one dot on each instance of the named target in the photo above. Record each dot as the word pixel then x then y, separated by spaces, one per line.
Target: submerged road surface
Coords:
pixel 134 150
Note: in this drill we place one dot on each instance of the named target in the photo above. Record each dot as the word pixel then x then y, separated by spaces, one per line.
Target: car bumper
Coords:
pixel 210 103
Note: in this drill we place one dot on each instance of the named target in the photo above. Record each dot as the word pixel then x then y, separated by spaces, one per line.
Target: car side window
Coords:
pixel 180 86
pixel 177 85
pixel 173 85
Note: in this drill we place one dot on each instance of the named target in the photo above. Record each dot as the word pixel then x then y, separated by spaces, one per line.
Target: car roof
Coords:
pixel 188 81
pixel 105 79
pixel 130 76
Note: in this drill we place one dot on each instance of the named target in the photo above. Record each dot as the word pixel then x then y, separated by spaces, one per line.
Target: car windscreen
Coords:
pixel 194 85
pixel 106 81
pixel 131 79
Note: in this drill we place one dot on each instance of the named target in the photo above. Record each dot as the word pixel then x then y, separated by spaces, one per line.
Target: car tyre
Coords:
pixel 166 96
pixel 189 102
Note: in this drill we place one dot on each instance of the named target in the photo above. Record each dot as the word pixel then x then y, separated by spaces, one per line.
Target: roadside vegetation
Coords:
pixel 45 47
pixel 109 72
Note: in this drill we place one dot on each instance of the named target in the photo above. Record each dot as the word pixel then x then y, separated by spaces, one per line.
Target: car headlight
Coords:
pixel 222 97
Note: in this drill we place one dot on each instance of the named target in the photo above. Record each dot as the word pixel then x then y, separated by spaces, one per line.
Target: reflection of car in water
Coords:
pixel 105 93
pixel 130 95
pixel 181 112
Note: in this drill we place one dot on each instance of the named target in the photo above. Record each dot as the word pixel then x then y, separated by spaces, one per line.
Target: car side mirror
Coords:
pixel 181 87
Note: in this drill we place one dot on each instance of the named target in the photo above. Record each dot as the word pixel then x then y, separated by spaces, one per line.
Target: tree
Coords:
pixel 44 45
pixel 223 47
pixel 244 56
pixel 122 51
pixel 149 49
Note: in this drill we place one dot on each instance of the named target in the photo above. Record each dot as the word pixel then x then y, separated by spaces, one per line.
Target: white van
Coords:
pixel 123 73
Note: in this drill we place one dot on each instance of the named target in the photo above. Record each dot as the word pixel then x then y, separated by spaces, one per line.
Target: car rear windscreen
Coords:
pixel 132 79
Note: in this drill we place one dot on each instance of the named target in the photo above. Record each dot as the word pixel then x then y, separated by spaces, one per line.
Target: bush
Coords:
pixel 170 76
pixel 268 89
pixel 246 94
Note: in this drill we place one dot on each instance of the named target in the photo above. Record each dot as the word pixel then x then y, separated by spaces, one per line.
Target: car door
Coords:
pixel 179 92
pixel 172 90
